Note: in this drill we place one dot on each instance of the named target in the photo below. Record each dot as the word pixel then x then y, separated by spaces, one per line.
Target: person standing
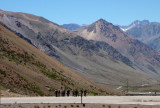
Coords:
pixel 76 92
pixel 59 92
pixel 73 92
pixel 56 93
pixel 85 92
pixel 68 93
pixel 64 92
pixel 81 92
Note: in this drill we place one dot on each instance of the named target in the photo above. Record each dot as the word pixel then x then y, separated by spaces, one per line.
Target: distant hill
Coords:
pixel 73 27
pixel 95 60
pixel 145 31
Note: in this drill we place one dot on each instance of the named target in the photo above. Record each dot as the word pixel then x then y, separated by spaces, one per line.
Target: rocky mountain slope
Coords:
pixel 145 31
pixel 143 57
pixel 26 70
pixel 73 27
pixel 95 60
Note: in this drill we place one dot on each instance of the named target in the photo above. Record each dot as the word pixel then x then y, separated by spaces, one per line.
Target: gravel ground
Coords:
pixel 75 105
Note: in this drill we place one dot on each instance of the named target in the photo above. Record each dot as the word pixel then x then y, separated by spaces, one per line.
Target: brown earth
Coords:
pixel 42 105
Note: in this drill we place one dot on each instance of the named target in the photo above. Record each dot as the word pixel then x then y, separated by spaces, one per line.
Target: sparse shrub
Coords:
pixel 72 105
pixel 49 74
pixel 92 92
pixel 3 72
pixel 20 106
pixel 53 69
pixel 77 105
pixel 109 106
pixel 61 71
pixel 36 106
pixel 100 90
pixel 103 105
pixel 65 106
pixel 39 64
pixel 91 86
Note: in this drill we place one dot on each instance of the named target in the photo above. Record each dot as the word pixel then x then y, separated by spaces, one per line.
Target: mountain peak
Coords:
pixel 98 26
pixel 102 21
pixel 136 23
pixel 143 22
pixel 100 29
pixel 102 26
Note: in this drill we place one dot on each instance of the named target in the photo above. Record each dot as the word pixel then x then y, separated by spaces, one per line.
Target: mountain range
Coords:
pixel 145 31
pixel 73 27
pixel 143 57
pixel 100 52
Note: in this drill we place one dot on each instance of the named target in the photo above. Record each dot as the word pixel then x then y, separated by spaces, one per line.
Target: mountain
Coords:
pixel 97 61
pixel 145 31
pixel 73 27
pixel 134 24
pixel 143 57
pixel 26 70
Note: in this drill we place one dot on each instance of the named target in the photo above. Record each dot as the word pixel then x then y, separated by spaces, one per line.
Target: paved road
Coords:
pixel 143 100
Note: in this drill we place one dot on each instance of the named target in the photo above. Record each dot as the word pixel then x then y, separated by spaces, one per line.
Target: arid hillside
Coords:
pixel 26 70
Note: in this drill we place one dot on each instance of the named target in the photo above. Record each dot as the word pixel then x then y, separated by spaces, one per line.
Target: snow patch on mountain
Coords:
pixel 128 27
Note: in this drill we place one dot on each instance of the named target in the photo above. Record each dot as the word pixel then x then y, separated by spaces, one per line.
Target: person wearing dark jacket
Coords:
pixel 81 93
pixel 76 92
pixel 59 92
pixel 73 93
pixel 68 93
pixel 85 92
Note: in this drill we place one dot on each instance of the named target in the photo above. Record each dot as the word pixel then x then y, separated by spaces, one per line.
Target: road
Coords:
pixel 143 100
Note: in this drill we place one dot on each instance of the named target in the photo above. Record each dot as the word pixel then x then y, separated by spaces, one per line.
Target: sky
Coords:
pixel 118 12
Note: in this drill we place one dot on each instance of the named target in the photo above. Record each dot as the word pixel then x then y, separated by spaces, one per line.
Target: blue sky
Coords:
pixel 121 12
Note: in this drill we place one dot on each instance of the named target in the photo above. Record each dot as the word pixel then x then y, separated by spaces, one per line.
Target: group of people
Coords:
pixel 68 92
